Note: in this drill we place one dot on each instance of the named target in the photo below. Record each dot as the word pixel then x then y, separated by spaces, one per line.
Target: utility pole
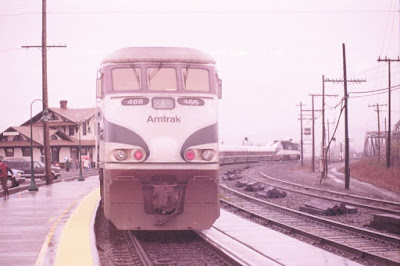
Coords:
pixel 379 129
pixel 324 160
pixel 313 130
pixel 323 148
pixel 346 121
pixel 301 133
pixel 346 125
pixel 313 134
pixel 389 134
pixel 329 149
pixel 46 137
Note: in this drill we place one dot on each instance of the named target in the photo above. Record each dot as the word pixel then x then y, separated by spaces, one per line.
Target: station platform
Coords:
pixel 55 226
pixel 34 225
pixel 259 245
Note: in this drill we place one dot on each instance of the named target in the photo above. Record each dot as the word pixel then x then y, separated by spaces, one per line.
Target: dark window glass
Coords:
pixel 10 152
pixel 17 138
pixel 26 152
pixel 83 151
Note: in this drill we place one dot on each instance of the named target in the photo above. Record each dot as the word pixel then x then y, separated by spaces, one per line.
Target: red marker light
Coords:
pixel 138 155
pixel 190 154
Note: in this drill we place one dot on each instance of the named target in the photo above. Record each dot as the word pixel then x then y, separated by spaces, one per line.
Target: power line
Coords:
pixel 200 12
pixel 377 90
pixel 9 50
pixel 373 94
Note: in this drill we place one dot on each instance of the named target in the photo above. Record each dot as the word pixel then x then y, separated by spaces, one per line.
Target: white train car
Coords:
pixel 278 150
pixel 158 138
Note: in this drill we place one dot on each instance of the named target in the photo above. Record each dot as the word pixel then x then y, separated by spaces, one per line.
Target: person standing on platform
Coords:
pixel 86 165
pixel 67 165
pixel 4 169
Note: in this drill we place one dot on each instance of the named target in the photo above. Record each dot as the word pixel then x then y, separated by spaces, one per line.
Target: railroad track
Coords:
pixel 354 200
pixel 177 248
pixel 361 243
pixel 124 247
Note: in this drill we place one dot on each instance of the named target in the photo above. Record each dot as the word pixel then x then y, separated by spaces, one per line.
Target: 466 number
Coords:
pixel 135 101
pixel 191 101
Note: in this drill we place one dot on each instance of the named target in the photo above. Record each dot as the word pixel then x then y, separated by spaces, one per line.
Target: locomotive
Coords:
pixel 158 138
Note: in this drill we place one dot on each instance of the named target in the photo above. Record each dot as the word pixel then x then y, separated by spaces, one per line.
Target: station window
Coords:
pixel 71 130
pixel 126 79
pixel 195 79
pixel 17 138
pixel 10 152
pixel 83 151
pixel 83 129
pixel 161 79
pixel 26 151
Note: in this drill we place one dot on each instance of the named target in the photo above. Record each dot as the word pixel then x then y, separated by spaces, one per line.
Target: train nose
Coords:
pixel 165 149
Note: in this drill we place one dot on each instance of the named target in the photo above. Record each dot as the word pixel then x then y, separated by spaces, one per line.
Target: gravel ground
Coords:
pixel 293 172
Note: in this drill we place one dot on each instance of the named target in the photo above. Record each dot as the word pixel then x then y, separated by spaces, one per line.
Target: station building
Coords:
pixel 66 128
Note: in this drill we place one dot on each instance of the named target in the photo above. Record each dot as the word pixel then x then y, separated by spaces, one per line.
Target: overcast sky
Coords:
pixel 270 55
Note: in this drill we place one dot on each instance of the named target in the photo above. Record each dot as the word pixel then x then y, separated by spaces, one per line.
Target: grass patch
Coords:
pixel 369 170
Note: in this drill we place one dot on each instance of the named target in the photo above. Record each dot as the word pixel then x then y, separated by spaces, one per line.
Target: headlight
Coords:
pixel 120 155
pixel 190 155
pixel 138 155
pixel 207 155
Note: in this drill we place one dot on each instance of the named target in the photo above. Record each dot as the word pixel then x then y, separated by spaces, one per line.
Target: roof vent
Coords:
pixel 63 104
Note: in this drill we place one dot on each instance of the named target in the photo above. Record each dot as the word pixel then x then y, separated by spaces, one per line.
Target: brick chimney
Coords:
pixel 63 104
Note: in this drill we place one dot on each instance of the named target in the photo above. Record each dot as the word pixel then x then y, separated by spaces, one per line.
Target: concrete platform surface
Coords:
pixel 266 246
pixel 32 223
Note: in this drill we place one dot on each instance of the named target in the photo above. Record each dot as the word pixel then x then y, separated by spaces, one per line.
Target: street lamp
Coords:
pixel 33 186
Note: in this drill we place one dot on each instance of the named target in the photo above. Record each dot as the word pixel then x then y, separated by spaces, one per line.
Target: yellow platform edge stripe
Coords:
pixel 75 246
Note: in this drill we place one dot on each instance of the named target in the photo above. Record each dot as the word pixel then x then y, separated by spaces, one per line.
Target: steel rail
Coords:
pixel 229 252
pixel 282 216
pixel 395 204
pixel 353 203
pixel 142 254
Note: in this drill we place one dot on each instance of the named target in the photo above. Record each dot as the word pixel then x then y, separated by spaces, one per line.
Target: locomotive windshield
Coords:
pixel 126 79
pixel 195 79
pixel 161 78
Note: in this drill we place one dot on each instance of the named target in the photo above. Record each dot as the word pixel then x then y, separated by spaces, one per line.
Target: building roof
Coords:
pixel 37 137
pixel 75 115
pixel 70 116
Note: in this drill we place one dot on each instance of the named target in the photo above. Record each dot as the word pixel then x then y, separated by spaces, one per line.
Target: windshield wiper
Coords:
pixel 151 75
pixel 185 76
pixel 137 76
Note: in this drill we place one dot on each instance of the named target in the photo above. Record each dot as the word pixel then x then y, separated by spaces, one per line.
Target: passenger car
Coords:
pixel 39 168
